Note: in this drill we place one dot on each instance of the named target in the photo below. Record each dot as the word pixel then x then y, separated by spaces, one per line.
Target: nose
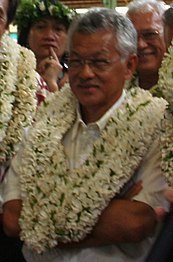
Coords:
pixel 142 43
pixel 86 71
pixel 49 33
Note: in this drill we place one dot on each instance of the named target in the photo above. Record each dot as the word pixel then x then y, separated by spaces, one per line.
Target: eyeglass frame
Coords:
pixel 152 35
pixel 95 64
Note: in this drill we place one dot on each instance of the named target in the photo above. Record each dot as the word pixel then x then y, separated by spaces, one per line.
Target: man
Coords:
pixel 87 148
pixel 146 16
pixel 168 26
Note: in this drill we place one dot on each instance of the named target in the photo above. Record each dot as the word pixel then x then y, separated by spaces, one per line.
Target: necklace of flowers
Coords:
pixel 17 94
pixel 61 204
pixel 164 89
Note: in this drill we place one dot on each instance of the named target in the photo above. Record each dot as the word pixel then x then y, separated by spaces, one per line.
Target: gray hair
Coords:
pixel 146 5
pixel 97 19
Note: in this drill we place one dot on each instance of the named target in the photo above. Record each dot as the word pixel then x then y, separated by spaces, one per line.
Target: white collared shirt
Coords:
pixel 77 144
pixel 80 138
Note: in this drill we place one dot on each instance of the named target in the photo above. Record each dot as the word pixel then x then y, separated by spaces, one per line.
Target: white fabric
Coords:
pixel 152 193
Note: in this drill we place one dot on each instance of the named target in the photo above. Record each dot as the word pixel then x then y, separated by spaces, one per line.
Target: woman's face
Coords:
pixel 46 34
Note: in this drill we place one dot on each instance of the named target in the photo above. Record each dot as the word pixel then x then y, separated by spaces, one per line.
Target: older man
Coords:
pixel 146 16
pixel 87 148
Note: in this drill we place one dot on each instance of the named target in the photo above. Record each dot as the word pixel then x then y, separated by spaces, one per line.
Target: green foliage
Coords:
pixel 110 3
pixel 29 11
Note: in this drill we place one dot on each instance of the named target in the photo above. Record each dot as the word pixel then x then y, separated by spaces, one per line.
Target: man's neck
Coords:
pixel 91 115
pixel 147 81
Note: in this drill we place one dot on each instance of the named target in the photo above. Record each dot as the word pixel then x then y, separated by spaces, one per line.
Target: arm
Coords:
pixel 11 214
pixel 121 221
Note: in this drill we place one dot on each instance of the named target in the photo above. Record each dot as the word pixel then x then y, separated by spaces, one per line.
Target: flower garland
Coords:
pixel 164 88
pixel 61 204
pixel 30 11
pixel 17 94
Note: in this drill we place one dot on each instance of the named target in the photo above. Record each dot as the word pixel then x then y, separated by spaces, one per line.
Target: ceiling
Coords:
pixel 96 3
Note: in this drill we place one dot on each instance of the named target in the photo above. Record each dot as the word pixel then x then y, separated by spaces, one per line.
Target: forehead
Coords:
pixel 4 6
pixel 147 20
pixel 49 20
pixel 93 43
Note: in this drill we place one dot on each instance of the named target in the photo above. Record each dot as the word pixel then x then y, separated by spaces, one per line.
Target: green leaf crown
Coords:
pixel 29 11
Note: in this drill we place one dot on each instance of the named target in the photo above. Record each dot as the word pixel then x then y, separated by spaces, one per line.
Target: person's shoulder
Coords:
pixel 142 95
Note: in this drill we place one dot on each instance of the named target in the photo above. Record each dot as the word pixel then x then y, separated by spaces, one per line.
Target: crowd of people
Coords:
pixel 88 175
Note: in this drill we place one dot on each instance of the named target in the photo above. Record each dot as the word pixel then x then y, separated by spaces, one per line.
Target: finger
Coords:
pixel 52 54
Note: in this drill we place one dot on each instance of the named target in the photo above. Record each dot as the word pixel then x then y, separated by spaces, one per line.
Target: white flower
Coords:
pixel 50 8
pixel 42 6
pixel 17 94
pixel 165 88
pixel 63 205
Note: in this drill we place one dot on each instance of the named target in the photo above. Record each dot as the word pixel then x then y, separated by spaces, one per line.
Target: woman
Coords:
pixel 42 27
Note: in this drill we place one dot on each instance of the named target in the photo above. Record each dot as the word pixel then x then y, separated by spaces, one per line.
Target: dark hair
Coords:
pixel 11 11
pixel 29 12
pixel 168 17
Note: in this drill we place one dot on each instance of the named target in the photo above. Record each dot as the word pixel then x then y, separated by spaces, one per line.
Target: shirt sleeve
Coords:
pixel 11 184
pixel 152 178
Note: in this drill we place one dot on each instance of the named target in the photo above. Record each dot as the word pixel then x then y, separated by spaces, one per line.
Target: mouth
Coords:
pixel 87 85
pixel 48 46
pixel 145 54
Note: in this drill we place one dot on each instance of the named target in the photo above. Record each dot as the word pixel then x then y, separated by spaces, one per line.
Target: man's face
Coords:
pixel 96 72
pixel 3 16
pixel 151 46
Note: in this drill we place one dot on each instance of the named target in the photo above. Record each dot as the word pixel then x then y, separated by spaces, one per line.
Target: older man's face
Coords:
pixel 3 16
pixel 96 72
pixel 151 46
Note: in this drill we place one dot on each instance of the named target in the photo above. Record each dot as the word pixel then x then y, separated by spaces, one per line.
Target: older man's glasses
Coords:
pixel 150 35
pixel 94 64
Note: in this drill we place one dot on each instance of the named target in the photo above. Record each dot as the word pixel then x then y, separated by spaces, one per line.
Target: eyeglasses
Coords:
pixel 148 35
pixel 94 64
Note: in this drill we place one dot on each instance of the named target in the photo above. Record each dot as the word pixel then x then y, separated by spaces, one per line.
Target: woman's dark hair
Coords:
pixel 11 11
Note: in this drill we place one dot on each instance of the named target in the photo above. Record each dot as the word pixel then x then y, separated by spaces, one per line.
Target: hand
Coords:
pixel 49 69
pixel 161 212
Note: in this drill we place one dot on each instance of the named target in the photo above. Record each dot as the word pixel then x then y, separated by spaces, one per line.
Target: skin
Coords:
pixel 47 39
pixel 150 53
pixel 45 35
pixel 3 17
pixel 98 90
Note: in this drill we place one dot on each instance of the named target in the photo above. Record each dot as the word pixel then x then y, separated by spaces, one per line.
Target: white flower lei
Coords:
pixel 165 89
pixel 61 204
pixel 17 94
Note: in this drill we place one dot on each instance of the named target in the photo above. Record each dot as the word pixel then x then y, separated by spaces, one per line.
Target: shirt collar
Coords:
pixel 101 123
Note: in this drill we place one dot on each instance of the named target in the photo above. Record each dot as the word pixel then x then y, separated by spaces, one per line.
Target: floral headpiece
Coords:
pixel 29 11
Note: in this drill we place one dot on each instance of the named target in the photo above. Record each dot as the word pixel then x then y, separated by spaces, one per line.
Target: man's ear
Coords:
pixel 131 65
